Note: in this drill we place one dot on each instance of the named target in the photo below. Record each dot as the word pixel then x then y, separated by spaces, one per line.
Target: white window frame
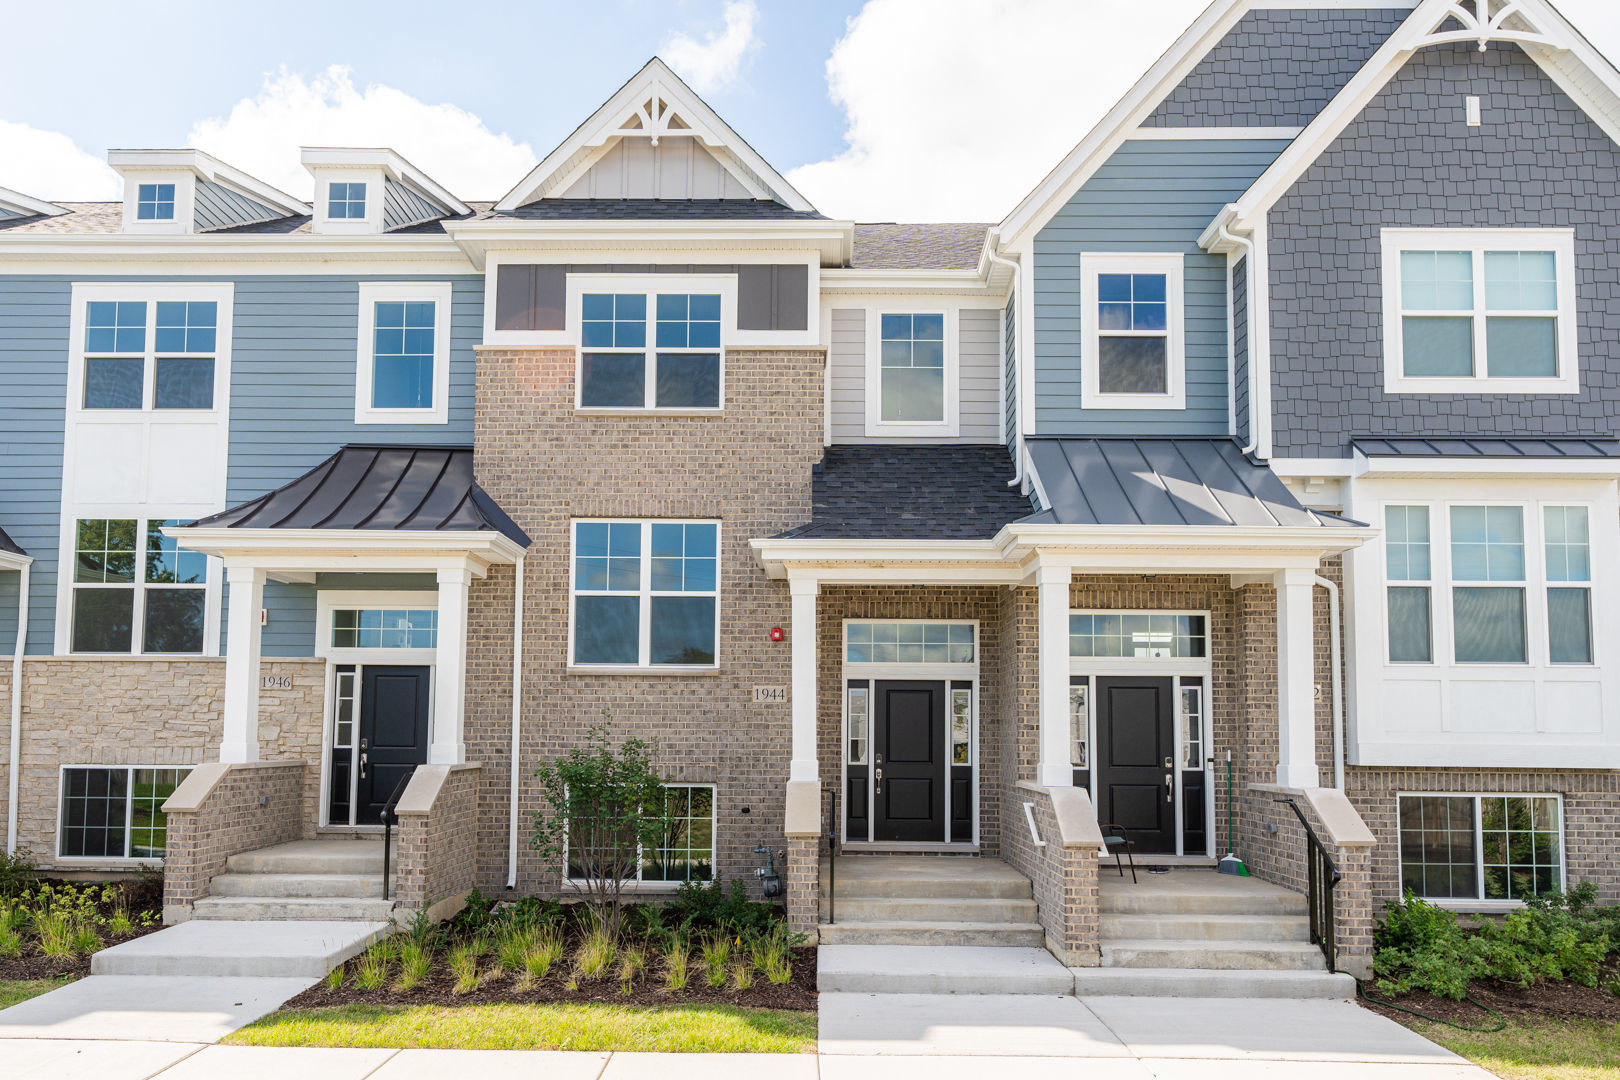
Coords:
pixel 950 425
pixel 328 601
pixel 637 883
pixel 376 194
pixel 66 587
pixel 643 665
pixel 373 292
pixel 185 201
pixel 1561 242
pixel 222 295
pixel 651 286
pixel 129 817
pixel 1464 903
pixel 1172 266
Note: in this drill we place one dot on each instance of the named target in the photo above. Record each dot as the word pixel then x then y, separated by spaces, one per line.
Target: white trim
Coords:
pixel 329 600
pixel 1480 903
pixel 376 184
pixel 650 286
pixel 206 167
pixel 28 205
pixel 644 594
pixel 129 818
pixel 949 425
pixel 1477 242
pixel 371 293
pixel 1199 134
pixel 67 589
pixel 394 166
pixel 1172 266
pixel 636 883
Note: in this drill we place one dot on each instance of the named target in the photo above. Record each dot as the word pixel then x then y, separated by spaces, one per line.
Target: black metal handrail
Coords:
pixel 1322 877
pixel 388 817
pixel 831 818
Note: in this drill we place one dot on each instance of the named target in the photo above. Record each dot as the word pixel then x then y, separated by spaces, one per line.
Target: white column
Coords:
pixel 1296 678
pixel 241 740
pixel 804 764
pixel 1052 645
pixel 450 669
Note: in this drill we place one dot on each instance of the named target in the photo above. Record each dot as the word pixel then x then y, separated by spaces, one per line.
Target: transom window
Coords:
pixel 911 367
pixel 685 852
pixel 1144 635
pixel 1481 847
pixel 1132 349
pixel 175 372
pixel 1481 311
pixel 154 202
pixel 134 586
pixel 115 813
pixel 346 201
pixel 402 375
pixel 909 643
pixel 1493 592
pixel 682 369
pixel 646 593
pixel 385 628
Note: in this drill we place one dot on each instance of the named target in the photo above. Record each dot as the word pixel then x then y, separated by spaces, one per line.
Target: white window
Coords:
pixel 657 350
pixel 149 354
pixel 1480 311
pixel 685 852
pixel 1133 351
pixel 154 202
pixel 1481 847
pixel 911 367
pixel 346 200
pixel 403 368
pixel 646 594
pixel 1407 568
pixel 385 628
pixel 115 813
pixel 859 723
pixel 135 591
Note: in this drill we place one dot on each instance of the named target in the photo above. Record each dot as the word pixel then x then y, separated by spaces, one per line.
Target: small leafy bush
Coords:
pixel 16 872
pixel 711 906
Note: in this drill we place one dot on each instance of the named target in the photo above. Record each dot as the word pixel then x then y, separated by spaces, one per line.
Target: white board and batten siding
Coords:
pixel 978 354
pixel 674 169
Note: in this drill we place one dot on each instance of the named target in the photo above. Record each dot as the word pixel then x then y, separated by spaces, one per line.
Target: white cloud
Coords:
pixel 262 134
pixel 715 62
pixel 48 165
pixel 957 108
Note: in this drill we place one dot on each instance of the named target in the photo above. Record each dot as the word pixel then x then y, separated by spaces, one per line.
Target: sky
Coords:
pixel 883 110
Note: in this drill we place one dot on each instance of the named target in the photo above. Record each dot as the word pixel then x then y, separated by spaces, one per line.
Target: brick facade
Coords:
pixel 436 852
pixel 223 810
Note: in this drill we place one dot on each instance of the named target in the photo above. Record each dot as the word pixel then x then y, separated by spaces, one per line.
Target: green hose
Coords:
pixel 1501 1021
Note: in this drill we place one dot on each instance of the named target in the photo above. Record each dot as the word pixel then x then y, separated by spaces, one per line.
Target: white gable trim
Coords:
pixel 1567 58
pixel 391 162
pixel 207 167
pixel 625 114
pixel 27 204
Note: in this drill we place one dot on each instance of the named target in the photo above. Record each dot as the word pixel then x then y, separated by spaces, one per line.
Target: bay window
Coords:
pixel 646 594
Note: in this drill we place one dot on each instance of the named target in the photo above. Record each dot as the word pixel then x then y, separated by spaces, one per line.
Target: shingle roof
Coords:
pixel 415 488
pixel 1490 448
pixel 888 246
pixel 1163 482
pixel 8 544
pixel 911 492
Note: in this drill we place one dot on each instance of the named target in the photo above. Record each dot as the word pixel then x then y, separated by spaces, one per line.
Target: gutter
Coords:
pixel 1019 345
pixel 14 747
pixel 517 721
pixel 1224 236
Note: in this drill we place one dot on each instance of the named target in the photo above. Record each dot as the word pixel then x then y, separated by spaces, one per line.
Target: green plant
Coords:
pixel 16 872
pixel 415 961
pixel 464 966
pixel 512 944
pixel 712 906
pixel 595 954
pixel 371 972
pixel 542 954
pixel 10 944
pixel 780 972
pixel 55 933
pixel 334 978
pixel 530 913
pixel 422 930
pixel 632 962
pixel 120 924
pixel 742 976
pixel 606 805
pixel 12 916
pixel 716 959
pixel 677 964
pixel 85 939
pixel 476 915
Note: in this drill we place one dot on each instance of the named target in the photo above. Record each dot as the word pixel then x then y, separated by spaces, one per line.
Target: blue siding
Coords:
pixel 294 346
pixel 1151 196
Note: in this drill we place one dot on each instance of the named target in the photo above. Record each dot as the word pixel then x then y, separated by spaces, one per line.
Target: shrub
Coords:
pixel 712 906
pixel 16 872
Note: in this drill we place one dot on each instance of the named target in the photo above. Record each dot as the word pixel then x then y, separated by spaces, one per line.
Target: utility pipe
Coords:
pixel 517 719
pixel 1247 244
pixel 15 745
pixel 1336 648
pixel 1018 348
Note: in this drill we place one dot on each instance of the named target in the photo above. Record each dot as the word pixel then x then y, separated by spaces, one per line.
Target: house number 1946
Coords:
pixel 275 682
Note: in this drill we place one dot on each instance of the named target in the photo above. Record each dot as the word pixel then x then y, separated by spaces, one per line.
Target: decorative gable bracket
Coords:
pixel 1486 21
pixel 653 116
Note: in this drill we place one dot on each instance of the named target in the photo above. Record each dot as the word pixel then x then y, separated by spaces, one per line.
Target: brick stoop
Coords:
pixel 328 880
pixel 928 900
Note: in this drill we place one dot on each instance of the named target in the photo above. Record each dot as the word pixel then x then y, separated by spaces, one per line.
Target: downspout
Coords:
pixel 1336 648
pixel 1019 345
pixel 517 720
pixel 14 747
pixel 1247 245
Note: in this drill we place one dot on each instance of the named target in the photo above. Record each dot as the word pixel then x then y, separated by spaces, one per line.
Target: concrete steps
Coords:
pixel 292 908
pixel 1248 896
pixel 1028 935
pixel 326 856
pixel 221 949
pixel 934 910
pixel 332 879
pixel 349 886
pixel 911 969
pixel 1205 954
pixel 942 877
pixel 1210 983
pixel 898 900
pixel 1208 927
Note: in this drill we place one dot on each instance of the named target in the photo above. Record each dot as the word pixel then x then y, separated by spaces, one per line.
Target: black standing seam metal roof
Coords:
pixel 426 488
pixel 1490 448
pixel 928 492
pixel 8 544
pixel 1192 482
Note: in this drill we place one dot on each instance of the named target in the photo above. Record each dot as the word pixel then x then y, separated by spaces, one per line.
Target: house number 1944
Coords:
pixel 275 682
pixel 770 695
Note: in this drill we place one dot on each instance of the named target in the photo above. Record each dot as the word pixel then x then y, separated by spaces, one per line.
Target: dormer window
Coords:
pixel 154 202
pixel 346 201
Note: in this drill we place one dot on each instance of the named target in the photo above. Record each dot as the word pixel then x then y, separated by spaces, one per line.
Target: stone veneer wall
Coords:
pixel 546 463
pixel 160 713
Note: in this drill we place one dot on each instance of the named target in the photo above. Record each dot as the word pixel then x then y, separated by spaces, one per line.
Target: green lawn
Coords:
pixel 1537 1049
pixel 666 1029
pixel 14 990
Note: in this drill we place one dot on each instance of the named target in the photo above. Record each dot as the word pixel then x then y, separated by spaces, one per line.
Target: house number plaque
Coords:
pixel 275 682
pixel 770 695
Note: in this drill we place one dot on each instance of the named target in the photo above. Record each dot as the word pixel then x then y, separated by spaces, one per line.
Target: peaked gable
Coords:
pixel 654 138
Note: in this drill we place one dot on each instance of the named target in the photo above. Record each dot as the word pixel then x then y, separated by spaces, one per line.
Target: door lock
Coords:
pixel 1169 763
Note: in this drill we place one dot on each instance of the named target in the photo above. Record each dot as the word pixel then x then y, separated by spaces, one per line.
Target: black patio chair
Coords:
pixel 1115 840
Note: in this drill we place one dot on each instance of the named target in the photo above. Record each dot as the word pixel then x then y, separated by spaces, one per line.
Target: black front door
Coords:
pixel 393 734
pixel 909 758
pixel 1136 760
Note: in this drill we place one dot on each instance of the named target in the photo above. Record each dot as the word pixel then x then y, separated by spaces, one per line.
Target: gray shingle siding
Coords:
pixel 1410 161
pixel 1150 196
pixel 1240 350
pixel 1277 68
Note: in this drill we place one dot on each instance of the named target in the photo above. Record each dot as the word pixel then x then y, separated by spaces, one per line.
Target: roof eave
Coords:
pixel 272 547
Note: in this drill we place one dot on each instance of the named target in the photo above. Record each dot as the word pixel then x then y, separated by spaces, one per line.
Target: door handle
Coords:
pixel 362 765
pixel 1169 787
pixel 877 779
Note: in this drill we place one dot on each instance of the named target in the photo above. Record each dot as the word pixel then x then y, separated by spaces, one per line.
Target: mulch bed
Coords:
pixel 143 893
pixel 500 988
pixel 1549 1001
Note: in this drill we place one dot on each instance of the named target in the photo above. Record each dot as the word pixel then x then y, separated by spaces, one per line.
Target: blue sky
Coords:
pixel 908 110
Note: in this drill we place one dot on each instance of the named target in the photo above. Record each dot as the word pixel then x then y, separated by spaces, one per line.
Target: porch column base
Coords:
pixel 801 823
